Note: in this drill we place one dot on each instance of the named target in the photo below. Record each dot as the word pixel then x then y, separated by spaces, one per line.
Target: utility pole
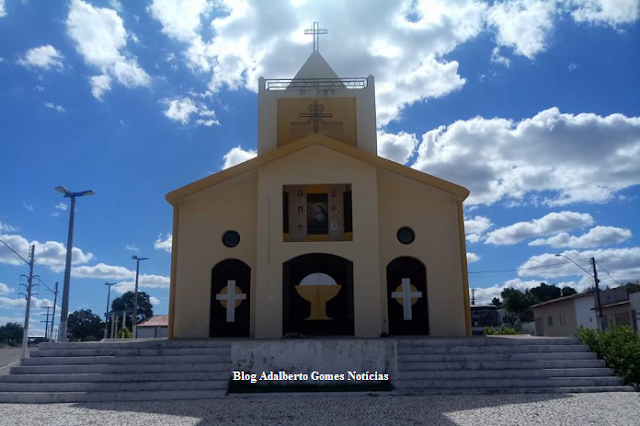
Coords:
pixel 55 302
pixel 25 335
pixel 598 303
pixel 64 311
pixel 106 313
pixel 473 296
pixel 135 296
pixel 46 322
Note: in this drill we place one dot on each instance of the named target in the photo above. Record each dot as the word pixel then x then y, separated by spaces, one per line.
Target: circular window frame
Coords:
pixel 412 234
pixel 231 234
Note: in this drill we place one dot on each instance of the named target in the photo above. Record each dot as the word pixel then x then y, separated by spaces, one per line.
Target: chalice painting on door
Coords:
pixel 318 289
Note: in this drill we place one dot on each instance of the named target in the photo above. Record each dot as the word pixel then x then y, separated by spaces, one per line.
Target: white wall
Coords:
pixel 635 306
pixel 585 315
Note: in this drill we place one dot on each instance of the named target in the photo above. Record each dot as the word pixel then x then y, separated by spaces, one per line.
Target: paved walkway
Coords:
pixel 8 356
pixel 615 409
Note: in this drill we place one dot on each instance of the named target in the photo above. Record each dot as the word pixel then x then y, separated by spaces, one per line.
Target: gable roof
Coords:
pixel 156 321
pixel 458 191
pixel 562 299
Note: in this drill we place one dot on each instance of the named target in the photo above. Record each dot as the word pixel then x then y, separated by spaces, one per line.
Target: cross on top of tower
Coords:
pixel 315 31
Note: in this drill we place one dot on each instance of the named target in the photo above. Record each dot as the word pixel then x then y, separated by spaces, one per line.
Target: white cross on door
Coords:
pixel 406 295
pixel 230 298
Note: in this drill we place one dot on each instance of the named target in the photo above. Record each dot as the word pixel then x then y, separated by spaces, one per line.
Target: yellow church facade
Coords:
pixel 318 235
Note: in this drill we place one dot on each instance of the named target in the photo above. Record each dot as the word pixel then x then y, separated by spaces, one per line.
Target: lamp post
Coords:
pixel 64 311
pixel 106 318
pixel 597 282
pixel 135 295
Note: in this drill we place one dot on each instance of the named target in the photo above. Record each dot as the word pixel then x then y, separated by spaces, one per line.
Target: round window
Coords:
pixel 231 239
pixel 406 235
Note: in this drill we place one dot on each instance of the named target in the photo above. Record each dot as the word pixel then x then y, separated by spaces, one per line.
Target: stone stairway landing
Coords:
pixel 501 365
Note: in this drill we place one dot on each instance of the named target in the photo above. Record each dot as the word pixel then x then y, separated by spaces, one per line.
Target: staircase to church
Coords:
pixel 120 371
pixel 501 365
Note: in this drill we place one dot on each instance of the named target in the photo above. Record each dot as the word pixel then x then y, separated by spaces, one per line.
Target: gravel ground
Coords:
pixel 619 409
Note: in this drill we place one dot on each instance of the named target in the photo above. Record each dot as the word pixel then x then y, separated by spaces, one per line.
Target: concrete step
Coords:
pixel 113 386
pixel 496 357
pixel 503 374
pixel 65 397
pixel 510 391
pixel 418 365
pixel 491 349
pixel 485 341
pixel 123 368
pixel 222 351
pixel 137 344
pixel 120 360
pixel 508 383
pixel 110 377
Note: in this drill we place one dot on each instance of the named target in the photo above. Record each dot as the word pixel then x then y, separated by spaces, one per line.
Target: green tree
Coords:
pixel 11 332
pixel 518 304
pixel 125 302
pixel 568 291
pixel 545 292
pixel 496 302
pixel 84 325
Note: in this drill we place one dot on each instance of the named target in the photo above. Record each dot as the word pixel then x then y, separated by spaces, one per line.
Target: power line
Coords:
pixel 605 271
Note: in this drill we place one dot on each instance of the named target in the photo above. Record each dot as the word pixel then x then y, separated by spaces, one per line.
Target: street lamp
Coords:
pixel 106 313
pixel 64 311
pixel 597 282
pixel 135 295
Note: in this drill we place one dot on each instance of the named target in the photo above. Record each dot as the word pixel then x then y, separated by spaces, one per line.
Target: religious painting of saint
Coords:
pixel 317 214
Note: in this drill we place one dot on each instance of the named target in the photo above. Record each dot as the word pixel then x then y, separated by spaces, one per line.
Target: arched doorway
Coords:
pixel 318 295
pixel 407 297
pixel 230 299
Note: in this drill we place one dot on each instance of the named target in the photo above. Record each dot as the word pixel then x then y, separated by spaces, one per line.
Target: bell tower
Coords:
pixel 317 101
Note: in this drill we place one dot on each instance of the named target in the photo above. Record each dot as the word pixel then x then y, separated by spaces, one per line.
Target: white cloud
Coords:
pixel 144 281
pixel 29 207
pixel 476 227
pixel 552 152
pixel 44 57
pixel 132 247
pixel 397 147
pixel 50 253
pixel 154 301
pixel 8 303
pixel 610 12
pixel 497 58
pixel 472 257
pixel 523 25
pixel 236 156
pixel 599 236
pixel 163 244
pixel 3 12
pixel 62 206
pixel 101 38
pixel 250 38
pixel 551 223
pixel 7 228
pixel 102 271
pixel 181 110
pixel 5 289
pixel 51 105
pixel 623 264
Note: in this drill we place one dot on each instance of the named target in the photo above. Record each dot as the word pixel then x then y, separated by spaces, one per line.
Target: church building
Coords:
pixel 318 235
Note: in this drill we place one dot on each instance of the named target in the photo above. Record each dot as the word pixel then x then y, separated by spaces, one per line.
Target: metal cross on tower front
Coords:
pixel 316 32
pixel 315 114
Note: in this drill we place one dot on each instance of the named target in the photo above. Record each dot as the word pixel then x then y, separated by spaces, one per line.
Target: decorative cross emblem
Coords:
pixel 231 299
pixel 315 31
pixel 406 297
pixel 315 114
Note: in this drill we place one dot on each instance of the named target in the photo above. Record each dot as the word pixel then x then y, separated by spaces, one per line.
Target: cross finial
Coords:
pixel 315 31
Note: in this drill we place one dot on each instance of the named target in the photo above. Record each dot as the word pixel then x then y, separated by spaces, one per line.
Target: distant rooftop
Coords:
pixel 156 321
pixel 563 298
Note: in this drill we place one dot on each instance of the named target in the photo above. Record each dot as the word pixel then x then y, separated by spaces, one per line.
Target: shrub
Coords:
pixel 619 347
pixel 502 331
pixel 124 333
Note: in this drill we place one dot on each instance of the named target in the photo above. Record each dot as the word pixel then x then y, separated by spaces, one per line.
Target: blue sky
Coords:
pixel 533 105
